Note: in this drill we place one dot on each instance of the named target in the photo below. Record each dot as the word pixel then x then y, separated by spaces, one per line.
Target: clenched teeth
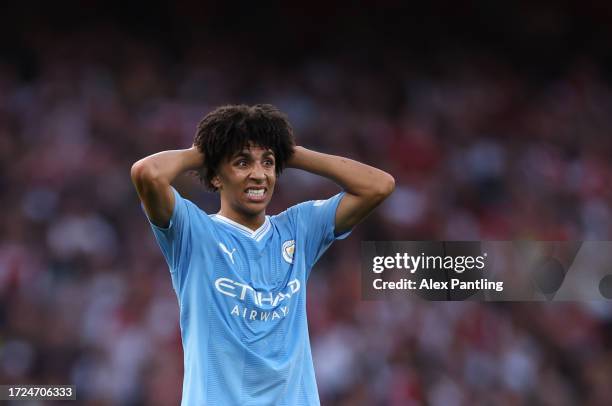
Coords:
pixel 255 192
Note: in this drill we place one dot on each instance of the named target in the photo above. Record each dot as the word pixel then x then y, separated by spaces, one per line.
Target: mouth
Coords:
pixel 256 194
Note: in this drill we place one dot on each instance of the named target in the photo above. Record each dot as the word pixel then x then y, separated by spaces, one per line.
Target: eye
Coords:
pixel 269 162
pixel 241 163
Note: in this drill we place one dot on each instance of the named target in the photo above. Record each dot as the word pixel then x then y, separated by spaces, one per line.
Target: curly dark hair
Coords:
pixel 229 129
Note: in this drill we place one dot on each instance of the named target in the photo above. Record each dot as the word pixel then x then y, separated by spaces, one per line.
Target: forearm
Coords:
pixel 167 165
pixel 354 177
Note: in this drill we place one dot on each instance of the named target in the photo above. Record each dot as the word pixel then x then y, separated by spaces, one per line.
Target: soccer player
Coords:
pixel 240 275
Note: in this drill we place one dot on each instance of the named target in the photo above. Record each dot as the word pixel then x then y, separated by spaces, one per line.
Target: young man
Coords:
pixel 240 275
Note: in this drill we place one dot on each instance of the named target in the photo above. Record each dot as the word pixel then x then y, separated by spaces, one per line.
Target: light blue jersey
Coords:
pixel 242 298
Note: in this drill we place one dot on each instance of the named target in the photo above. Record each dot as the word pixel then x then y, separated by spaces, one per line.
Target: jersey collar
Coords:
pixel 257 235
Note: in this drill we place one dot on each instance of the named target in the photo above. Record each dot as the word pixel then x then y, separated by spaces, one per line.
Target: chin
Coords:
pixel 254 208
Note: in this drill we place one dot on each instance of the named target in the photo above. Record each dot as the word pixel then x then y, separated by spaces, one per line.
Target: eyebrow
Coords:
pixel 245 154
pixel 241 155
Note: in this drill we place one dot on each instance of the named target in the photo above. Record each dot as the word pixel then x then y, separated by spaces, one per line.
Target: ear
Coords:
pixel 216 182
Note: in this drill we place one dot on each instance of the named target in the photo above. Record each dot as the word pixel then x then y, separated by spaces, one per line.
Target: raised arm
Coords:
pixel 365 186
pixel 153 175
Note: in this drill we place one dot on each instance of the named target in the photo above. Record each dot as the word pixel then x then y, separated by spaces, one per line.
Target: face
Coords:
pixel 246 180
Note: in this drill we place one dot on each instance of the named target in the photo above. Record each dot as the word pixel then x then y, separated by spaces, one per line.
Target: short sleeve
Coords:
pixel 174 240
pixel 316 219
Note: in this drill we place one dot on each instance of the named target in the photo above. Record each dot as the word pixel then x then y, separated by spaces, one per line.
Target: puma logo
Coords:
pixel 229 254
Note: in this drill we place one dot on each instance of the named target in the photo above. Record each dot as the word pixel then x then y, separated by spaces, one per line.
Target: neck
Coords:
pixel 252 221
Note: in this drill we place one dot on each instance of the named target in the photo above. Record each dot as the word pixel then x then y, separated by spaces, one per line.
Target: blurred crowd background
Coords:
pixel 493 117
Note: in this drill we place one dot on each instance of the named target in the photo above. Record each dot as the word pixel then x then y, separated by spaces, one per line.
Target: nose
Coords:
pixel 258 173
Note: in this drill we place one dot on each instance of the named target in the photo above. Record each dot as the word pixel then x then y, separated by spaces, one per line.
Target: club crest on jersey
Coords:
pixel 288 250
